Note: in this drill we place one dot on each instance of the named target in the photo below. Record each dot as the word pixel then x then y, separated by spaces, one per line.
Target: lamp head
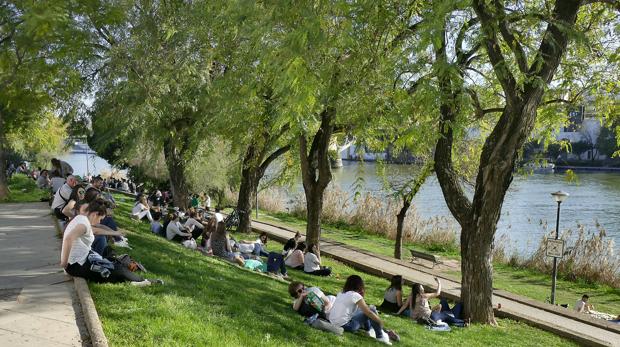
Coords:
pixel 560 196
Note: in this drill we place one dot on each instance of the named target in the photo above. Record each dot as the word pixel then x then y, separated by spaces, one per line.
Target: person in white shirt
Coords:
pixel 62 197
pixel 76 256
pixel 43 181
pixel 175 231
pixel 351 312
pixel 194 225
pixel 295 259
pixel 141 209
pixel 312 263
pixel 583 305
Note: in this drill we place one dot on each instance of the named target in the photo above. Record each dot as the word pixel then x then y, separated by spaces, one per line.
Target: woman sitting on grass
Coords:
pixel 312 263
pixel 310 301
pixel 421 311
pixel 351 312
pixel 295 259
pixel 77 194
pixel 141 209
pixel 220 244
pixel 175 231
pixel 393 297
pixel 77 258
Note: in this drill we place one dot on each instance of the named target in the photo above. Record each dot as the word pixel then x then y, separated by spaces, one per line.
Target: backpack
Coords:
pixel 274 261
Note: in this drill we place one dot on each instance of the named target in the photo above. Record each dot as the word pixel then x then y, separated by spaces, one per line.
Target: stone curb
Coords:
pixel 95 330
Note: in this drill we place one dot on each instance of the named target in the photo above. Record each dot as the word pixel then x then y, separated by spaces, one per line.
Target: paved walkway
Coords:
pixel 38 303
pixel 579 328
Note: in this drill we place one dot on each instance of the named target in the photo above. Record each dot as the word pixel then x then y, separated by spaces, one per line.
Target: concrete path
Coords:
pixel 38 303
pixel 579 328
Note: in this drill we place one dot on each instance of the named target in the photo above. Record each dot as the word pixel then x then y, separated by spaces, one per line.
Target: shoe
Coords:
pixel 371 333
pixel 156 281
pixel 393 335
pixel 385 339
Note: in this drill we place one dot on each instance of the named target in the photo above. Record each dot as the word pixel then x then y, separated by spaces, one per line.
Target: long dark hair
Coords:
pixel 415 291
pixel 301 246
pixel 354 283
pixel 397 282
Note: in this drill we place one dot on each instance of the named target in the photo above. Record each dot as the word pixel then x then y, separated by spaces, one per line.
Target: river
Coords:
pixel 594 199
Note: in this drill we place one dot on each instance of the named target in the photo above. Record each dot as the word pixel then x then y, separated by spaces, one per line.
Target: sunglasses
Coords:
pixel 300 290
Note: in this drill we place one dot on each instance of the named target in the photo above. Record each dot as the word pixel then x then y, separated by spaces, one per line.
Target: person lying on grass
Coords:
pixel 79 260
pixel 421 311
pixel 351 312
pixel 393 297
pixel 310 301
pixel 220 244
pixel 312 263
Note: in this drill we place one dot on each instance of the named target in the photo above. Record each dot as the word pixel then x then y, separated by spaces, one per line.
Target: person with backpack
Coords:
pixel 62 197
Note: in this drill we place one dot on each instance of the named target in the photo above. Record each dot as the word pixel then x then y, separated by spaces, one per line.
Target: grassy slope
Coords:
pixel 24 189
pixel 520 281
pixel 206 301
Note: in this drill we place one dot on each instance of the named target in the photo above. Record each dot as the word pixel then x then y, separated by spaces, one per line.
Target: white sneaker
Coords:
pixel 385 339
pixel 371 333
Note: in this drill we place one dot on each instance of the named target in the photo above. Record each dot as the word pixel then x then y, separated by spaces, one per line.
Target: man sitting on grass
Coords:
pixel 583 305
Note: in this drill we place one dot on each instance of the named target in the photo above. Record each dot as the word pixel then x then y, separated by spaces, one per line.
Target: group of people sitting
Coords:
pixel 82 256
pixel 85 216
pixel 348 311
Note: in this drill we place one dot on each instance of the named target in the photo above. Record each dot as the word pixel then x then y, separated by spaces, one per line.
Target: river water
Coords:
pixel 595 199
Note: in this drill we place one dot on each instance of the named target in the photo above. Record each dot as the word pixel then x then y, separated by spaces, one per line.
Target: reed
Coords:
pixel 589 256
pixel 377 215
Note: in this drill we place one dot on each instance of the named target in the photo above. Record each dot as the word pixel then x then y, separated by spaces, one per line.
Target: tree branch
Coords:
pixel 502 72
pixel 510 38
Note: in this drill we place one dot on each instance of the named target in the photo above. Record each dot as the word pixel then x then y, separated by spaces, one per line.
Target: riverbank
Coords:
pixel 207 301
pixel 515 279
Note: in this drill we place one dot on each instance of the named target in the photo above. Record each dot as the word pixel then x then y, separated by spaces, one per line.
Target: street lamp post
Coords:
pixel 559 197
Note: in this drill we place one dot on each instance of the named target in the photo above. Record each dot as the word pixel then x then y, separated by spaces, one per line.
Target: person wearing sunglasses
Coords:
pixel 309 301
pixel 77 194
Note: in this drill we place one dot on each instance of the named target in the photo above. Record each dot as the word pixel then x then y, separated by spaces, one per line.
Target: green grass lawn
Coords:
pixel 209 302
pixel 24 189
pixel 524 282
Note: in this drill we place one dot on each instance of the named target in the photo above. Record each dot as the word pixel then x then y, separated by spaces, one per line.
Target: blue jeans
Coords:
pixel 360 320
pixel 99 244
pixel 259 250
pixel 449 315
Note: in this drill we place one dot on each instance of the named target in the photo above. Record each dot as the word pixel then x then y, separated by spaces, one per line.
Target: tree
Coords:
pixel 163 59
pixel 326 53
pixel 606 142
pixel 38 74
pixel 522 45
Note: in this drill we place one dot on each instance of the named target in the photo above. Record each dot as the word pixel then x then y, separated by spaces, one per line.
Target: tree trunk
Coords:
pixel 316 174
pixel 4 185
pixel 247 190
pixel 176 169
pixel 400 222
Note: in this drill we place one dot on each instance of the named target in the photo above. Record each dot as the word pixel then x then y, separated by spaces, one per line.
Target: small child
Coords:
pixel 156 226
